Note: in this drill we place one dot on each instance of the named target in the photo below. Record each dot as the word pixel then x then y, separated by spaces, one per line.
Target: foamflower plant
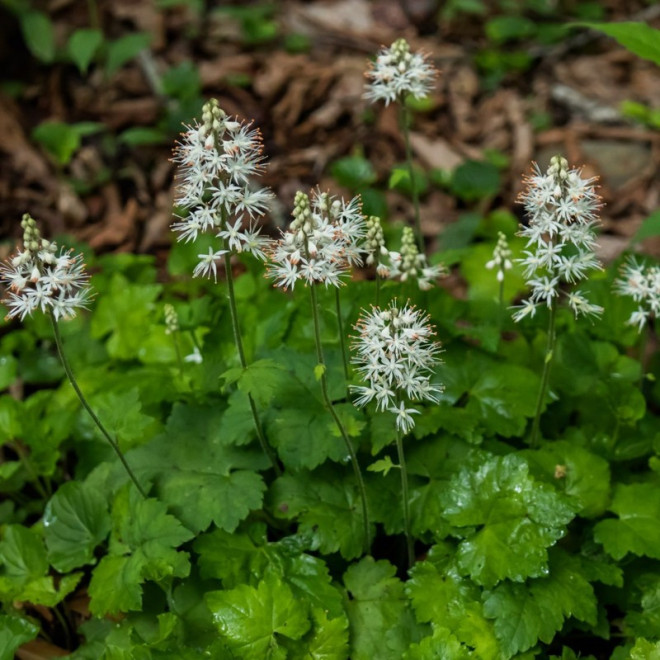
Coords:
pixel 45 278
pixel 396 356
pixel 217 160
pixel 319 247
pixel 396 73
pixel 562 209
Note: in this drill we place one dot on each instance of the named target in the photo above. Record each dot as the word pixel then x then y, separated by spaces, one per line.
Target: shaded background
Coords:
pixel 85 149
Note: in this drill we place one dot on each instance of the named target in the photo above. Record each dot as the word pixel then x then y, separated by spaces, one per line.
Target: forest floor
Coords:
pixel 309 106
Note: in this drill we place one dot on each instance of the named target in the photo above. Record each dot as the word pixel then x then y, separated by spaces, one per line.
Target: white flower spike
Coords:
pixel 38 278
pixel 562 208
pixel 216 161
pixel 321 243
pixel 395 356
pixel 397 72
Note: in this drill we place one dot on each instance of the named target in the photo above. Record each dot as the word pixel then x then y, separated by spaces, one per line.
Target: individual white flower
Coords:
pixel 216 161
pixel 195 357
pixel 320 244
pixel 208 264
pixel 562 210
pixel 397 72
pixel 642 284
pixel 501 257
pixel 395 356
pixel 38 278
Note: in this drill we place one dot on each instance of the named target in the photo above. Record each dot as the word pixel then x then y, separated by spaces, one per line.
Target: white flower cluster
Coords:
pixel 216 160
pixel 410 263
pixel 40 278
pixel 563 210
pixel 501 257
pixel 321 243
pixel 395 355
pixel 642 284
pixel 397 72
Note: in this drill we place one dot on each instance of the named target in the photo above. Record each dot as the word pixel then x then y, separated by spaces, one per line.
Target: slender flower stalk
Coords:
pixel 563 213
pixel 40 279
pixel 319 246
pixel 396 73
pixel 396 357
pixel 217 160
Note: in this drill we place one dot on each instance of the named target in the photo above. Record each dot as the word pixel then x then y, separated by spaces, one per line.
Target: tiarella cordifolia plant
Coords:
pixel 319 247
pixel 642 284
pixel 43 278
pixel 562 210
pixel 216 162
pixel 396 356
pixel 396 73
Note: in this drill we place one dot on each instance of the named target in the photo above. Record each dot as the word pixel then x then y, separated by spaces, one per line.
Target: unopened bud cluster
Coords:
pixel 642 284
pixel 396 72
pixel 395 356
pixel 171 320
pixel 322 242
pixel 40 278
pixel 501 257
pixel 216 161
pixel 374 242
pixel 563 211
pixel 411 264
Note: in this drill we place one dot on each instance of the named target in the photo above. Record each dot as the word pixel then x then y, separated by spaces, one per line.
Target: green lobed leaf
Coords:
pixel 75 521
pixel 123 314
pixel 15 631
pixel 637 527
pixel 253 621
pixel 262 379
pixel 24 569
pixel 646 617
pixel 509 519
pixel 200 478
pixel 326 504
pixel 439 595
pixel 441 645
pixel 536 610
pixel 583 476
pixel 381 622
pixel 116 585
pixel 142 547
